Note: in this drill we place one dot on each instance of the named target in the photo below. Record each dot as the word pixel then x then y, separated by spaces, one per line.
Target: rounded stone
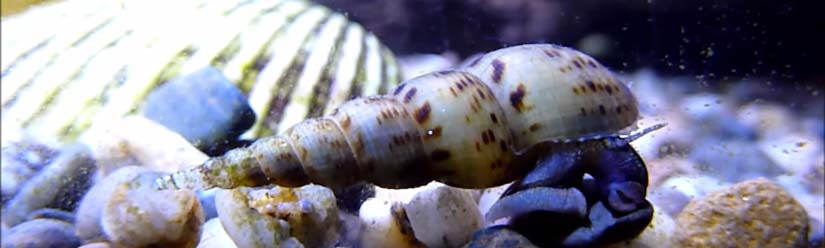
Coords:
pixel 41 233
pixel 137 215
pixel 747 214
pixel 87 221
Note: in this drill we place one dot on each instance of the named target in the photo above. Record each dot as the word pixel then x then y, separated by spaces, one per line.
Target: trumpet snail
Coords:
pixel 481 126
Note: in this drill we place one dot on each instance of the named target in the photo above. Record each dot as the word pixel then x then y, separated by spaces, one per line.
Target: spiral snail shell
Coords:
pixel 469 129
pixel 85 62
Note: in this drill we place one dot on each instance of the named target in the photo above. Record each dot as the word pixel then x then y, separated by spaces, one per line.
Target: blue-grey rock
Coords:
pixel 51 213
pixel 498 236
pixel 60 185
pixel 204 107
pixel 21 161
pixel 207 200
pixel 732 160
pixel 41 233
pixel 816 236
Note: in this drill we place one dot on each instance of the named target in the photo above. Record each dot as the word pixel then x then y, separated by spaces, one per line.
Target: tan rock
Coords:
pixel 138 215
pixel 87 222
pixel 748 214
pixel 279 216
pixel 135 140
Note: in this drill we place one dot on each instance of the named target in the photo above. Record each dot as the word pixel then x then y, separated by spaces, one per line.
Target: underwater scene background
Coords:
pixel 412 123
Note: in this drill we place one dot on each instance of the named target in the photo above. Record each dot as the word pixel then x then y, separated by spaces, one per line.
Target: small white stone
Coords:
pixel 444 216
pixel 214 236
pixel 382 228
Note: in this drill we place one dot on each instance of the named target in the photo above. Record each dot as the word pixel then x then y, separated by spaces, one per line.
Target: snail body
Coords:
pixel 469 129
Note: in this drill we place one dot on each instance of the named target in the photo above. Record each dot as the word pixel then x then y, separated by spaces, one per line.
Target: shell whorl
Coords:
pixel 553 93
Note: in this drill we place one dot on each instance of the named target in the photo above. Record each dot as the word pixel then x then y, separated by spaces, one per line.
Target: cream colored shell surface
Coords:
pixel 554 93
pixel 70 64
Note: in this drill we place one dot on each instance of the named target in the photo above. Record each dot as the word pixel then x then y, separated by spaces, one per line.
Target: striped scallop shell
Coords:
pixel 554 93
pixel 73 63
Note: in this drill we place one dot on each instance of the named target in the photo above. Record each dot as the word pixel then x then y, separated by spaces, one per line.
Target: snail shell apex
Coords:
pixel 554 93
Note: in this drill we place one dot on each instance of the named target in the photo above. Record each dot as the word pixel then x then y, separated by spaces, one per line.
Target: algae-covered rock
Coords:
pixel 88 214
pixel 498 236
pixel 279 216
pixel 244 225
pixel 138 215
pixel 747 214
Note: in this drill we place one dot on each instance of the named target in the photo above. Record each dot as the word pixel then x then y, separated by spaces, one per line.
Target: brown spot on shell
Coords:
pixel 577 63
pixel 618 109
pixel 304 153
pixel 478 146
pixel 359 144
pixel 408 97
pixel 498 70
pixel 609 89
pixel 583 111
pixel 602 110
pixel 440 155
pixel 503 145
pixel 422 114
pixel 575 90
pixel 493 117
pixel 433 133
pixel 460 85
pixel 399 89
pixel 481 93
pixel 591 85
pixel 495 164
pixel 535 127
pixel 593 64
pixel 517 97
pixel 551 53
